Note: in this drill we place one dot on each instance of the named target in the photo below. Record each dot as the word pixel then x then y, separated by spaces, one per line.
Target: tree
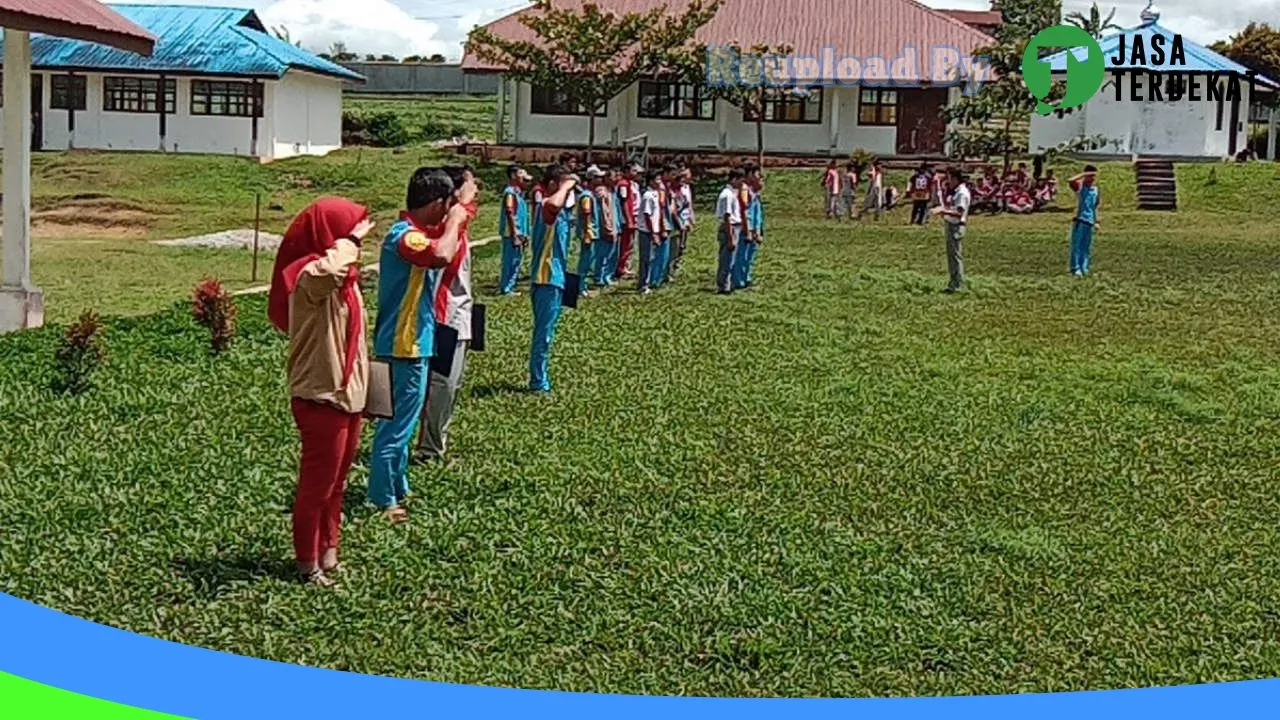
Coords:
pixel 1002 104
pixel 370 57
pixel 436 58
pixel 408 59
pixel 1094 24
pixel 745 79
pixel 589 55
pixel 1257 47
pixel 338 53
pixel 281 33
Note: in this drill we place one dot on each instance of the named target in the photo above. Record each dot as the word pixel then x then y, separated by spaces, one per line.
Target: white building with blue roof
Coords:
pixel 217 82
pixel 1188 104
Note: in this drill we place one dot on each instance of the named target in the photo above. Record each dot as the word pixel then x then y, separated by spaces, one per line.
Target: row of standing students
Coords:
pixel 616 217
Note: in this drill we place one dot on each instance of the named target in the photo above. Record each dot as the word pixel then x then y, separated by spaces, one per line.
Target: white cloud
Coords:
pixel 377 27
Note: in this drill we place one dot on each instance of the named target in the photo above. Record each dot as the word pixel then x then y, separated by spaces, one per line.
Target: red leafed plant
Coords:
pixel 80 352
pixel 215 309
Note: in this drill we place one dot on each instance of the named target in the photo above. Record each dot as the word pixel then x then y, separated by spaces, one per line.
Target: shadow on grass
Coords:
pixel 482 392
pixel 211 576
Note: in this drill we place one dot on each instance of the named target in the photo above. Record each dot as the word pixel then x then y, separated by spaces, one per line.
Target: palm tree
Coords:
pixel 282 34
pixel 1094 24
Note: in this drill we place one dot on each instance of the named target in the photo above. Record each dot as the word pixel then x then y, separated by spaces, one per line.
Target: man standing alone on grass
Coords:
pixel 1082 227
pixel 551 229
pixel 426 237
pixel 955 215
pixel 452 302
pixel 513 226
pixel 729 217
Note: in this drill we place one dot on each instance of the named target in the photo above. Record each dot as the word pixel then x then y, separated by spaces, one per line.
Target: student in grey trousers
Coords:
pixel 955 215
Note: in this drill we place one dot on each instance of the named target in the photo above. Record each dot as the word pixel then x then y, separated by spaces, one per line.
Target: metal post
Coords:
pixel 257 224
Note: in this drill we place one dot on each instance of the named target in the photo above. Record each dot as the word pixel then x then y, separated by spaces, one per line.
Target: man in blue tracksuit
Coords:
pixel 551 229
pixel 1086 219
pixel 752 228
pixel 513 226
pixel 426 238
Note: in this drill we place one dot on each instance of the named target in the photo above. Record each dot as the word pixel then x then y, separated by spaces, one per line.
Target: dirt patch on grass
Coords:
pixel 91 215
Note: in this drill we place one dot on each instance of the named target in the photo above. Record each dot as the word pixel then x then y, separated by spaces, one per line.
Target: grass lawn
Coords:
pixel 472 113
pixel 842 483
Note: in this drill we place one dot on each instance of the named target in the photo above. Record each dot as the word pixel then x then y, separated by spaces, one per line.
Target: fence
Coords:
pixel 388 78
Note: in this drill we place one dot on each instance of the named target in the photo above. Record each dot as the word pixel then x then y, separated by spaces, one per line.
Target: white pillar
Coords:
pixel 500 123
pixel 1272 152
pixel 515 112
pixel 722 124
pixel 834 92
pixel 21 305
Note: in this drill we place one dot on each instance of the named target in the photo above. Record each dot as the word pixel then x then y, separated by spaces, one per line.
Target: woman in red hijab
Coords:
pixel 315 298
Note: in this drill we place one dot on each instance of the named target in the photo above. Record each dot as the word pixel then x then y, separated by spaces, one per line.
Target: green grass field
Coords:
pixel 842 483
pixel 474 113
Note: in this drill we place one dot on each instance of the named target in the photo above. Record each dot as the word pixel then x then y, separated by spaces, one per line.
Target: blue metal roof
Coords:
pixel 1199 59
pixel 189 40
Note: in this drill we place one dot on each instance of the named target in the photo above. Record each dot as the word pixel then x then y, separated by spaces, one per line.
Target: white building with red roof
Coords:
pixel 870 74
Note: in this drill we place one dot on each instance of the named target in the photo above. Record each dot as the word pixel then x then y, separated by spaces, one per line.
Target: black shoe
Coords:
pixel 949 290
pixel 422 457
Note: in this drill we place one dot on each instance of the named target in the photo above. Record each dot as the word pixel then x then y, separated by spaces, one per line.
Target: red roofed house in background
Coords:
pixel 22 304
pixel 836 43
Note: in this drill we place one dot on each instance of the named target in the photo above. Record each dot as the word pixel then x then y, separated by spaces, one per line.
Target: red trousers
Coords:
pixel 329 441
pixel 627 238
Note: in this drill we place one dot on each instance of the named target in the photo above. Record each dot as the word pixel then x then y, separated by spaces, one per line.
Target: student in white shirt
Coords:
pixel 729 217
pixel 875 190
pixel 955 213
pixel 652 227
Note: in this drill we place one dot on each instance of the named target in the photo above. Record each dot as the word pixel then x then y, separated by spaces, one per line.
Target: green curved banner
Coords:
pixel 27 700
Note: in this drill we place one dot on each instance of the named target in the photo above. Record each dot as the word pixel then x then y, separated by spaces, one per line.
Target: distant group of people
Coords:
pixel 1017 192
pixel 842 190
pixel 426 301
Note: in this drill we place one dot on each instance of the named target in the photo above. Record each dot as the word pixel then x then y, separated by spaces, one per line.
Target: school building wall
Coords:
pixel 302 114
pixel 1184 128
pixel 838 133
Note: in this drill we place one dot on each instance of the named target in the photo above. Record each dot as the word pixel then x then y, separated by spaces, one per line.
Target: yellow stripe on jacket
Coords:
pixel 544 260
pixel 407 320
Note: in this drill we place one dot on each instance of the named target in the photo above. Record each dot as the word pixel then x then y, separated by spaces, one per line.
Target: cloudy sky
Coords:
pixel 426 27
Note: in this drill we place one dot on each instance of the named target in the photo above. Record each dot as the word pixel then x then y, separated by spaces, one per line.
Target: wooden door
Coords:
pixel 1234 127
pixel 37 112
pixel 921 128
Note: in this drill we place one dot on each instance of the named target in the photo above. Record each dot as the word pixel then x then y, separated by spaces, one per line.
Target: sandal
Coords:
pixel 316 577
pixel 395 515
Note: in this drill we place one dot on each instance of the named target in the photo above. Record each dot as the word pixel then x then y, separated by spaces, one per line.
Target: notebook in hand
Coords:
pixel 477 327
pixel 572 288
pixel 446 345
pixel 380 403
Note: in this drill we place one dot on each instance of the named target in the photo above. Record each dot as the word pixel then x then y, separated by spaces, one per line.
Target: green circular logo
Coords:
pixel 1084 77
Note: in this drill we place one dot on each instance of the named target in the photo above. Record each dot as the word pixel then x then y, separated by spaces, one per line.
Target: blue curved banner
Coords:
pixel 57 650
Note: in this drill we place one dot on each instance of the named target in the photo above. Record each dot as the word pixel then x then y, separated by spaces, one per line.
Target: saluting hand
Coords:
pixel 361 229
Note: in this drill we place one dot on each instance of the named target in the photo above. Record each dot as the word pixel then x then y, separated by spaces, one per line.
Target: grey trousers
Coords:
pixel 724 263
pixel 955 255
pixel 437 412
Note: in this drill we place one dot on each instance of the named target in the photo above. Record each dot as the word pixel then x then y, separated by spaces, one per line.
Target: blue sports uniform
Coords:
pixel 550 251
pixel 513 203
pixel 404 336
pixel 1082 228
pixel 588 227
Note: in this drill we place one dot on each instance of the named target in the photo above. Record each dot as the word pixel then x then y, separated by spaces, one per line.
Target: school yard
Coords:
pixel 841 483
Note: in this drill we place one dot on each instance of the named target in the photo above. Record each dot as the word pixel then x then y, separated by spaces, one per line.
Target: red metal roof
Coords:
pixel 977 18
pixel 79 19
pixel 851 28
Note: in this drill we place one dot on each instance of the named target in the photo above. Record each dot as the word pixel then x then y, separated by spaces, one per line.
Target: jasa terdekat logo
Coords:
pixel 1155 62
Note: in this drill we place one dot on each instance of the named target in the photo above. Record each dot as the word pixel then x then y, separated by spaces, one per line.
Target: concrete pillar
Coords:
pixel 500 123
pixel 21 305
pixel 1273 153
pixel 722 124
pixel 833 97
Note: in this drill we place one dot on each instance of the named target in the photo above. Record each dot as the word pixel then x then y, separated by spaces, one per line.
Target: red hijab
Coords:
pixel 317 229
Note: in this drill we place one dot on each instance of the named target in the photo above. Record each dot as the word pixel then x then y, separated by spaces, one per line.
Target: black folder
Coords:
pixel 477 327
pixel 446 346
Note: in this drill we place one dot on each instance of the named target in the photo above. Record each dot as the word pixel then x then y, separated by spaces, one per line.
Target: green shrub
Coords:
pixel 81 350
pixel 436 129
pixel 375 129
pixel 214 308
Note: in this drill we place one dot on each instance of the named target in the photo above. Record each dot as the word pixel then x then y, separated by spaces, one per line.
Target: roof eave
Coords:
pixel 140 42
